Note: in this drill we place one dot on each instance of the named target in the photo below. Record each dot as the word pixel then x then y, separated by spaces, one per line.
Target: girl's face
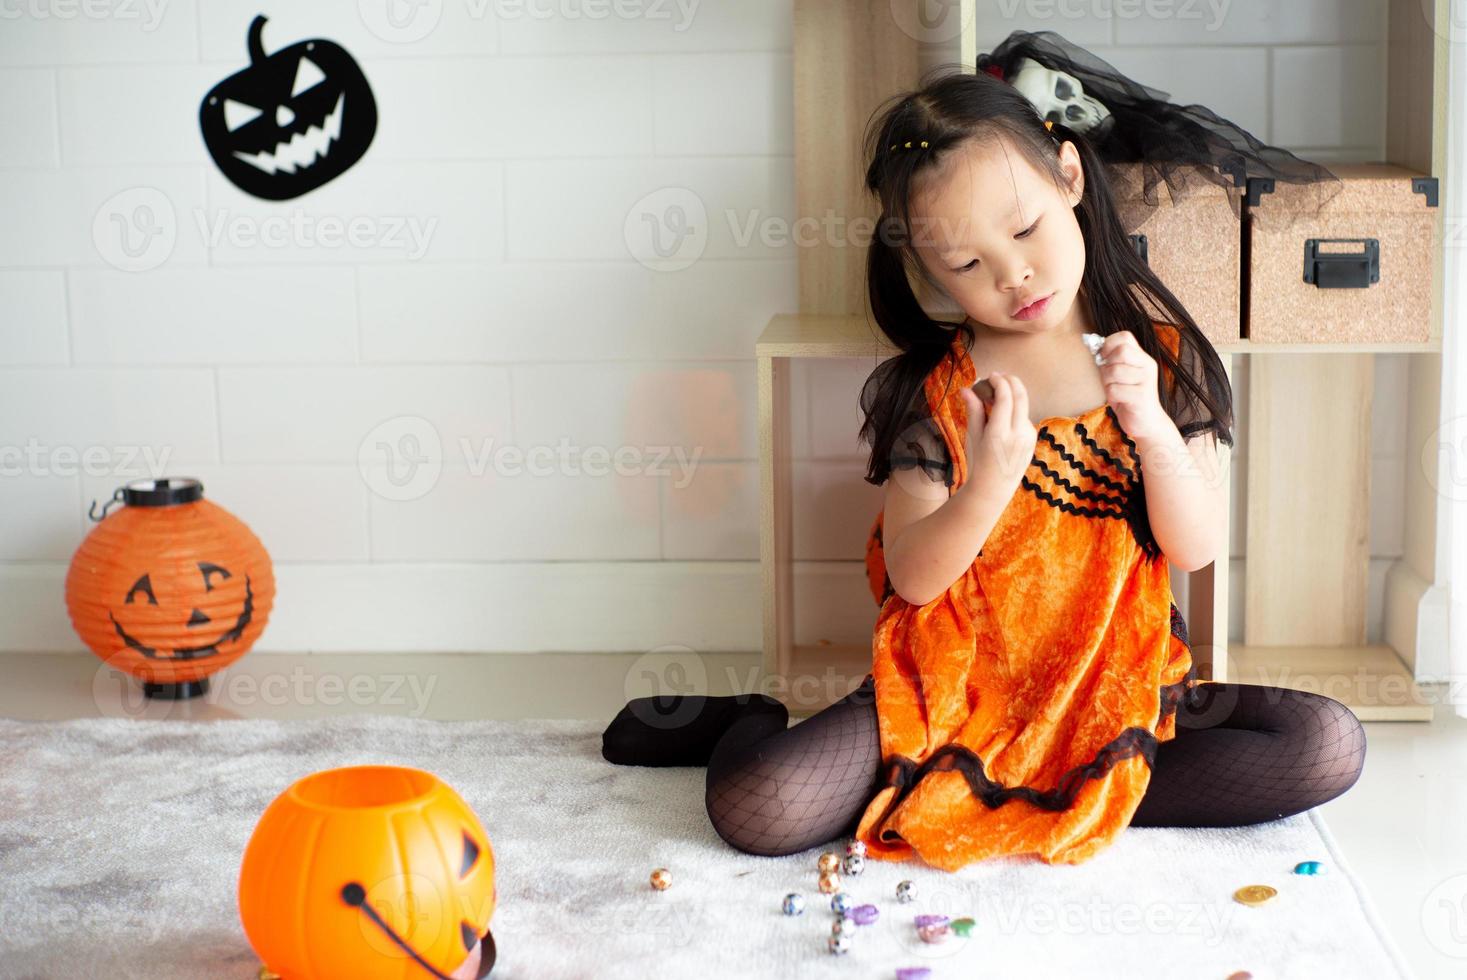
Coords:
pixel 996 235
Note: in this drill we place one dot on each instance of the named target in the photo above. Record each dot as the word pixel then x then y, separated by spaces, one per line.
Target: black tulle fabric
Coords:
pixel 1242 754
pixel 1173 143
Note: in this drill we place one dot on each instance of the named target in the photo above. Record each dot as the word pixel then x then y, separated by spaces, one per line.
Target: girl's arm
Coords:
pixel 1186 480
pixel 1186 493
pixel 929 541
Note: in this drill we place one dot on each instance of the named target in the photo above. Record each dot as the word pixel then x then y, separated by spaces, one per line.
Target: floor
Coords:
pixel 1400 825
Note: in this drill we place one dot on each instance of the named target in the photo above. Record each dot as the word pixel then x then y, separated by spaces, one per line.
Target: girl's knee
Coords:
pixel 1332 740
pixel 747 832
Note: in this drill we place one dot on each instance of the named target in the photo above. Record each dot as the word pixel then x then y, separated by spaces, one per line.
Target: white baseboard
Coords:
pixel 493 607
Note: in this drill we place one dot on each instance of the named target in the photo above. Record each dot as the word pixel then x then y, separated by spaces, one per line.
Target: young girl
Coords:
pixel 1032 690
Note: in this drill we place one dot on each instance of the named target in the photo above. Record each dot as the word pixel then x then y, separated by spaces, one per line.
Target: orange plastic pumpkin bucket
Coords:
pixel 371 872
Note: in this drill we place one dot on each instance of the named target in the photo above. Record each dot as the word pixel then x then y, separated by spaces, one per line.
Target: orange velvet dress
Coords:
pixel 1020 710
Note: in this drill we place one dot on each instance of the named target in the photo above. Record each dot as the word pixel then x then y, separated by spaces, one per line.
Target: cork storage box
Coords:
pixel 1191 238
pixel 1340 263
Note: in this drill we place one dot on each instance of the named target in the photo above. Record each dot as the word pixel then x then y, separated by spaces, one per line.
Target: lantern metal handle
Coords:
pixel 92 510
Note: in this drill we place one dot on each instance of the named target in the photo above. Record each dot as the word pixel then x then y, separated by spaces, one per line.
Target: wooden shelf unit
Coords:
pixel 1305 591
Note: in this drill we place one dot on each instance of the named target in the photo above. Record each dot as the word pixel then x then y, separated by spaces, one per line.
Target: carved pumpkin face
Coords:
pixel 378 865
pixel 292 120
pixel 178 627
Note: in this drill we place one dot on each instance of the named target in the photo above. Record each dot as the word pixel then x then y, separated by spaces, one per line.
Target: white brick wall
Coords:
pixel 505 307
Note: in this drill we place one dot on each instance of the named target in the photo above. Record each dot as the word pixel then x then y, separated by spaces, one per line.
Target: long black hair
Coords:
pixel 952 106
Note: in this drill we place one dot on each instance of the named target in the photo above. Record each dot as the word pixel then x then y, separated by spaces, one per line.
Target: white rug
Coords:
pixel 120 842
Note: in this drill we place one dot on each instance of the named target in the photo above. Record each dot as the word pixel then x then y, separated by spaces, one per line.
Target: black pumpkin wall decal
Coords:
pixel 292 120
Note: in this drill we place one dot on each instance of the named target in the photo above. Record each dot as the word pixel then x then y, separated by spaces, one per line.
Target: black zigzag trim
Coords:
pixel 1076 491
pixel 1095 475
pixel 1065 505
pixel 1130 446
pixel 904 774
pixel 1086 438
pixel 1136 515
pixel 1133 505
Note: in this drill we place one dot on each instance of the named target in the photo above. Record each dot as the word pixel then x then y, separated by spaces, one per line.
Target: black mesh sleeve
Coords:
pixel 916 439
pixel 1190 414
pixel 920 443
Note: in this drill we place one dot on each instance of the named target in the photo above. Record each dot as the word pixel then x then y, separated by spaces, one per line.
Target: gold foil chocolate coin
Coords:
pixel 1255 894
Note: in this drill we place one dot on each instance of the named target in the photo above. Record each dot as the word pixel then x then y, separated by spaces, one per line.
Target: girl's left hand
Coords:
pixel 1129 376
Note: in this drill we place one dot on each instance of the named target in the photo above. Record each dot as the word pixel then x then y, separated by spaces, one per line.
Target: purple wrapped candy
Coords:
pixel 914 973
pixel 930 920
pixel 865 914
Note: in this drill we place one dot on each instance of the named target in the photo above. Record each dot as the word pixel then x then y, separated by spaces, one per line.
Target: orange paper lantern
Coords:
pixel 170 588
pixel 368 872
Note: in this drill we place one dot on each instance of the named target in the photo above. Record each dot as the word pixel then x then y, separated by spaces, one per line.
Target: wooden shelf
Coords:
pixel 1373 681
pixel 836 335
pixel 829 672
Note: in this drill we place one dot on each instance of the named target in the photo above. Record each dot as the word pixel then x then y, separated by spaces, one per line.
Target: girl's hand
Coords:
pixel 1000 440
pixel 1129 376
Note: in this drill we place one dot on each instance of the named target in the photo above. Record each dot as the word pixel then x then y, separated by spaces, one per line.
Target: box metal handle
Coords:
pixel 1342 270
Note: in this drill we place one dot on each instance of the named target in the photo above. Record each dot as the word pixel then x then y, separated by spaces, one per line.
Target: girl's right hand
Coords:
pixel 1001 440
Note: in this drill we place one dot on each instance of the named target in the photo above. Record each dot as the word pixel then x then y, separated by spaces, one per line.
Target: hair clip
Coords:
pixel 908 144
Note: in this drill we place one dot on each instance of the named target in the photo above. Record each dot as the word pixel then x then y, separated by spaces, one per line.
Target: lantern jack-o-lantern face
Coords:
pixel 154 622
pixel 171 588
pixel 381 866
pixel 292 120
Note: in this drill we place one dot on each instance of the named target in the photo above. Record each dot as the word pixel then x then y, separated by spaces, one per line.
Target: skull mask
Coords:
pixel 1059 96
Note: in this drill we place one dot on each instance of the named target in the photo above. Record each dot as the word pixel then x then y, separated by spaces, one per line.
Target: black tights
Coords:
pixel 1243 754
